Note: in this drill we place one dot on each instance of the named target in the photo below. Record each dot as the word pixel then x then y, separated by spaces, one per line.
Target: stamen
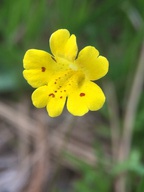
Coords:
pixel 82 94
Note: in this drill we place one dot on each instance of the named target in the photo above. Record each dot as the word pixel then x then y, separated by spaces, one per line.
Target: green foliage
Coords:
pixel 133 164
pixel 141 186
pixel 103 24
pixel 92 178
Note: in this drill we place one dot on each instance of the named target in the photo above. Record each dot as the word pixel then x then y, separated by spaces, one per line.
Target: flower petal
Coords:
pixel 40 97
pixel 88 97
pixel 55 106
pixel 36 78
pixel 91 64
pixel 39 67
pixel 63 45
pixel 45 96
pixel 35 59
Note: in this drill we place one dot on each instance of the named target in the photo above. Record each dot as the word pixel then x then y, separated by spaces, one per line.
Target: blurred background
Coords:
pixel 102 151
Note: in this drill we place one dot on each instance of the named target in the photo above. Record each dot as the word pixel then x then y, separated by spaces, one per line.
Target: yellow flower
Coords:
pixel 65 77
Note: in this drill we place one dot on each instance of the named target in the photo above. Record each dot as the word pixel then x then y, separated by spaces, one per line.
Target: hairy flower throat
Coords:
pixel 66 81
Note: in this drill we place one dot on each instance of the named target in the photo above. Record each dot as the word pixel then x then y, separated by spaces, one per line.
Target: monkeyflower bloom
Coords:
pixel 65 76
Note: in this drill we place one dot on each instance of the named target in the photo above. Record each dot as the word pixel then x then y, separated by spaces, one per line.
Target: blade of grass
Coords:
pixel 141 186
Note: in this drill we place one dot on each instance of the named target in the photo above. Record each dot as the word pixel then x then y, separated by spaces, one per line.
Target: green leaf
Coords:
pixel 141 186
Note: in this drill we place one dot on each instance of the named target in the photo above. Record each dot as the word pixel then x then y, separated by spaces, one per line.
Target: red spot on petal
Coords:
pixel 55 82
pixel 60 97
pixel 82 94
pixel 55 91
pixel 43 69
pixel 64 90
pixel 52 95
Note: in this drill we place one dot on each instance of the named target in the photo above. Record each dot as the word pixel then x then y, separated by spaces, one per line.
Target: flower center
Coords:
pixel 73 66
pixel 64 83
pixel 64 64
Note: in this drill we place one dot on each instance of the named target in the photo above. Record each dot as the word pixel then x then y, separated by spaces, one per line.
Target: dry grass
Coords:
pixel 32 145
